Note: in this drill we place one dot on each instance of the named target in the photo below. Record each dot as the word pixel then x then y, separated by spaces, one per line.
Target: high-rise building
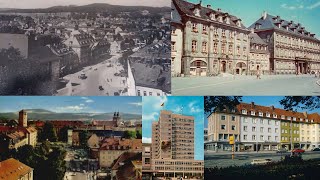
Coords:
pixel 172 148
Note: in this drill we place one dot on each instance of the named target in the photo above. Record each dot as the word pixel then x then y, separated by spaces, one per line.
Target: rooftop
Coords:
pixel 12 169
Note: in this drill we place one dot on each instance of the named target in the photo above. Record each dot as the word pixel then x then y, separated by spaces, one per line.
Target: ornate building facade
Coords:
pixel 207 41
pixel 293 49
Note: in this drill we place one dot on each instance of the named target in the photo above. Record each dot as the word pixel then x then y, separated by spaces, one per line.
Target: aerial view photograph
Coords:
pixel 231 47
pixel 81 47
pixel 262 137
pixel 172 137
pixel 70 138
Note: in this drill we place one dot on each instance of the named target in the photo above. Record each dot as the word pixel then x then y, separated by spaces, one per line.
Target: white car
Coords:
pixel 260 161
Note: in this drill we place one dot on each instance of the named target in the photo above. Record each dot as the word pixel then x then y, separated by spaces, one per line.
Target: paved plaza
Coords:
pixel 247 85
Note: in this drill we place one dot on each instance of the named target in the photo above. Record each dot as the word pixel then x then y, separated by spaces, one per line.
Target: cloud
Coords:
pixel 136 103
pixel 150 117
pixel 85 98
pixel 315 5
pixel 81 104
pixel 146 140
pixel 70 108
pixel 196 110
pixel 89 101
pixel 292 7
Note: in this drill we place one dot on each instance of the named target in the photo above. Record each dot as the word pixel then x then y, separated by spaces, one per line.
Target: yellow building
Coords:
pixel 12 169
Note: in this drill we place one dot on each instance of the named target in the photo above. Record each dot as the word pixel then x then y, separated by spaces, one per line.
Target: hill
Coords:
pixel 96 8
pixel 43 114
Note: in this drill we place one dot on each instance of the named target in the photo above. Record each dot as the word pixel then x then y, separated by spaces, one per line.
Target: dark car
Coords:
pixel 101 88
pixel 316 149
pixel 298 150
pixel 283 150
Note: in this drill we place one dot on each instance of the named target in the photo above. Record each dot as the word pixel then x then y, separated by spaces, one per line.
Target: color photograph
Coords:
pixel 231 47
pixel 172 137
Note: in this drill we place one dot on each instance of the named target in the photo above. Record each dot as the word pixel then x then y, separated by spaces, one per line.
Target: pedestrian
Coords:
pixel 316 74
pixel 258 74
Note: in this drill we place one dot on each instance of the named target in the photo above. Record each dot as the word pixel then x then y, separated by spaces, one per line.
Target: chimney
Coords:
pixel 272 107
pixel 219 9
pixel 209 6
pixel 252 104
pixel 264 15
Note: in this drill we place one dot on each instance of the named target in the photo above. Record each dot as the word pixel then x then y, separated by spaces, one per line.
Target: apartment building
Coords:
pixel 262 128
pixel 207 41
pixel 172 148
pixel 293 49
pixel 221 126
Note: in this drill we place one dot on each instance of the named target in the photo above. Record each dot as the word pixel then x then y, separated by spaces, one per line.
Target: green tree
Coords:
pixel 214 103
pixel 83 137
pixel 63 134
pixel 293 103
pixel 130 134
pixel 139 134
pixel 48 133
pixel 26 155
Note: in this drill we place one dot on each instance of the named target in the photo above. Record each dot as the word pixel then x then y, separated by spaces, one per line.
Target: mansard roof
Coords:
pixel 272 22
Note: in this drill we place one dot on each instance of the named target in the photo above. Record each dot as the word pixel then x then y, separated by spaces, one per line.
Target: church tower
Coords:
pixel 23 118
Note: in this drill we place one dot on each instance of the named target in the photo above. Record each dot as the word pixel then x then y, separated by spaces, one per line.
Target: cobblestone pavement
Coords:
pixel 247 85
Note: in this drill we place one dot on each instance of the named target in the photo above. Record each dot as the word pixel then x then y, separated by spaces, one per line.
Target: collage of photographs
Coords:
pixel 159 89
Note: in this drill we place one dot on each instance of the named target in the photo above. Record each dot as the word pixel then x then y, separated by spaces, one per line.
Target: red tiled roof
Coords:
pixel 279 112
pixel 121 144
pixel 12 169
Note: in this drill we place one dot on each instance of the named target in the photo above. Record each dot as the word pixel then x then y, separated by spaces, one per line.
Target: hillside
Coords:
pixel 42 114
pixel 96 7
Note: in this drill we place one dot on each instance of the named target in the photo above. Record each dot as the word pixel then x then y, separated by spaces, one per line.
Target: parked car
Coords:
pixel 283 150
pixel 261 161
pixel 298 150
pixel 101 88
pixel 82 76
pixel 316 149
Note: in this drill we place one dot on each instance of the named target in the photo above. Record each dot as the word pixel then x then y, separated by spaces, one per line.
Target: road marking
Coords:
pixel 194 87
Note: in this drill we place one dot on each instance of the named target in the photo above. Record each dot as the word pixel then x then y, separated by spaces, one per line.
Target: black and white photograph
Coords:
pixel 85 48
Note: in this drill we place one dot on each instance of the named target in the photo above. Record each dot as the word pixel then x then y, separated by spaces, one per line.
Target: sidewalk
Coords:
pixel 210 152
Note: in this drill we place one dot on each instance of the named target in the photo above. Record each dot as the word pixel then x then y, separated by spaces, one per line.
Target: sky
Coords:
pixel 266 101
pixel 24 4
pixel 72 104
pixel 190 105
pixel 304 11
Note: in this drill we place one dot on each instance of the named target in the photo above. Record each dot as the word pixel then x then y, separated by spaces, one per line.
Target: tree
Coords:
pixel 293 103
pixel 48 133
pixel 130 134
pixel 214 103
pixel 26 155
pixel 63 134
pixel 139 134
pixel 83 137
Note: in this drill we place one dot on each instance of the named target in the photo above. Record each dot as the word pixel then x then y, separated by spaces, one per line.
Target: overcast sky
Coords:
pixel 23 4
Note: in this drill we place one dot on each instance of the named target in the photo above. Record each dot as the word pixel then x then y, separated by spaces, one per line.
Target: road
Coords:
pixel 246 85
pixel 101 74
pixel 224 160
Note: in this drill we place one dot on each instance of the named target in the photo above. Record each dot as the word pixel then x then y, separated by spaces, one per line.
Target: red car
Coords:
pixel 298 150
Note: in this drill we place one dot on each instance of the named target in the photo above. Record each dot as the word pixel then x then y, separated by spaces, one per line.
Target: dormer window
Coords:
pixel 220 19
pixel 212 16
pixel 260 113
pixel 294 119
pixel 268 114
pixel 244 111
pixel 301 119
pixel 196 12
pixel 288 118
pixel 257 26
pixel 282 117
pixel 253 113
pixel 227 20
pixel 238 23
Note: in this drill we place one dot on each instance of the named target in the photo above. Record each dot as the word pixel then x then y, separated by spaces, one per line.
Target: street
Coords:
pixel 213 159
pixel 247 85
pixel 100 79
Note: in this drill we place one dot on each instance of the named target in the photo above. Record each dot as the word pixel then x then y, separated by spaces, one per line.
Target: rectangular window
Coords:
pixel 269 122
pixel 261 138
pixel 269 130
pixel 223 127
pixel 253 137
pixel 245 128
pixel 194 27
pixel 233 118
pixel 194 46
pixel 204 47
pixel 139 93
pixel 261 129
pixel 253 129
pixel 223 117
pixel 233 127
pixel 244 111
pixel 144 93
pixel 173 46
pixel 245 137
